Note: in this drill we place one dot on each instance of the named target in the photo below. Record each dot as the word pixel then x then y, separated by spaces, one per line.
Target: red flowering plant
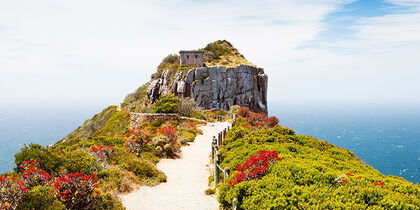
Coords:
pixel 243 111
pixel 76 191
pixel 11 192
pixel 188 125
pixel 213 114
pixel 169 131
pixel 13 189
pixel 102 152
pixel 137 138
pixel 381 184
pixel 255 167
pixel 32 174
pixel 257 120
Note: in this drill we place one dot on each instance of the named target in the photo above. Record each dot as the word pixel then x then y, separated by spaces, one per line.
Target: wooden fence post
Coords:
pixel 213 143
pixel 216 168
pixel 226 172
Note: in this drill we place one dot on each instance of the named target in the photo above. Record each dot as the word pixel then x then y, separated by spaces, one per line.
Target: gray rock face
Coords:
pixel 215 87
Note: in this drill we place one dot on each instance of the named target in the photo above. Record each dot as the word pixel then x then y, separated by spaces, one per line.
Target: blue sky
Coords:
pixel 96 51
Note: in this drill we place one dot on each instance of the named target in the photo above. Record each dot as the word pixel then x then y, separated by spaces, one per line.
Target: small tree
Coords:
pixel 167 104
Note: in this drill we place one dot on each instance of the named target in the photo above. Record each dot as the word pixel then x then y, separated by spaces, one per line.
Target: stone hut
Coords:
pixel 191 58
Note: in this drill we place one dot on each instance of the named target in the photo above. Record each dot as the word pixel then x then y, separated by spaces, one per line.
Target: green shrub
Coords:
pixel 210 191
pixel 168 60
pixel 167 104
pixel 39 197
pixel 80 161
pixel 57 205
pixel 117 179
pixel 155 124
pixel 312 175
pixel 49 161
pixel 107 201
pixel 142 169
pixel 186 137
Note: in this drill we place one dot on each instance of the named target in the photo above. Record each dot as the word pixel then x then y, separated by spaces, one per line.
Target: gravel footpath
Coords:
pixel 187 178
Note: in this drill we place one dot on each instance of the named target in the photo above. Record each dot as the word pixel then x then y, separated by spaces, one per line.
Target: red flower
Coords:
pixel 255 167
pixel 344 181
pixel 349 174
pixel 24 189
pixel 95 186
pixel 359 177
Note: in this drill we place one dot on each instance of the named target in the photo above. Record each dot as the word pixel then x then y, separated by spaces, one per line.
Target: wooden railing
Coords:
pixel 216 143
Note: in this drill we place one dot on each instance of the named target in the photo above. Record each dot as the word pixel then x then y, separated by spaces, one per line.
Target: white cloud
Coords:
pixel 378 64
pixel 103 49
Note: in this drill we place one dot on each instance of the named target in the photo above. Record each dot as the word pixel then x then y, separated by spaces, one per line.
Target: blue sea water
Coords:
pixel 38 123
pixel 386 138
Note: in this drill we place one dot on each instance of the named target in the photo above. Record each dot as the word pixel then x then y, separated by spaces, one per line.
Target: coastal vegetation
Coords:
pixel 273 168
pixel 96 162
pixel 222 53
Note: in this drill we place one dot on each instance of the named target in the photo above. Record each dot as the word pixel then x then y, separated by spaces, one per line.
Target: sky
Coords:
pixel 313 51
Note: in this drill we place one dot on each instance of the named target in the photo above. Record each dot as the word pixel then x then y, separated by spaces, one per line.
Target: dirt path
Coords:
pixel 187 178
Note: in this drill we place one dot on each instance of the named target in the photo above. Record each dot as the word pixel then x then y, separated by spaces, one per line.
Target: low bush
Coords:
pixel 80 161
pixel 168 60
pixel 312 174
pixel 210 191
pixel 107 201
pixel 167 104
pixel 76 191
pixel 255 167
pixel 186 137
pixel 38 197
pixel 48 159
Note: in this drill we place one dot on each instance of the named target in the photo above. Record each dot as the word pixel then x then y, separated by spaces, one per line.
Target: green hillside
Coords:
pixel 313 174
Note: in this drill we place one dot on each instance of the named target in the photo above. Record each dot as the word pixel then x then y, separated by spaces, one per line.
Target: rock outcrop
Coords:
pixel 215 87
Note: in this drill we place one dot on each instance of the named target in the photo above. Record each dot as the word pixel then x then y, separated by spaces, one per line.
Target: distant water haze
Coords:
pixel 387 138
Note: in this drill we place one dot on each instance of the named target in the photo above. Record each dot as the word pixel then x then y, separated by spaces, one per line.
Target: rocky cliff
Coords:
pixel 215 87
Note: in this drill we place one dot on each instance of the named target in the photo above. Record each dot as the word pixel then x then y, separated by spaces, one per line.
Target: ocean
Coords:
pixel 43 124
pixel 387 138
